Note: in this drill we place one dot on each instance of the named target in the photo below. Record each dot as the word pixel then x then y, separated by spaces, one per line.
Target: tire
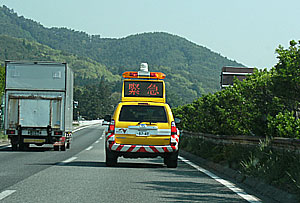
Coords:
pixel 56 148
pixel 14 147
pixel 68 145
pixel 171 160
pixel 172 163
pixel 111 158
pixel 63 147
pixel 14 144
pixel 23 147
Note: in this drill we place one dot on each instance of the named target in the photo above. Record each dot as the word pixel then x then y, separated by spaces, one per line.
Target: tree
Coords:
pixel 286 77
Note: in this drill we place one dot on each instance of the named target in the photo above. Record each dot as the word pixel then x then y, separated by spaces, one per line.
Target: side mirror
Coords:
pixel 107 118
pixel 177 120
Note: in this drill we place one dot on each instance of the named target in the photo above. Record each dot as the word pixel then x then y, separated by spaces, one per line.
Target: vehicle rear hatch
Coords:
pixel 143 125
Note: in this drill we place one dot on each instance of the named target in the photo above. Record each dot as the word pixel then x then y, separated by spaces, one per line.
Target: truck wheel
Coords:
pixel 56 148
pixel 14 147
pixel 68 145
pixel 23 147
pixel 63 147
pixel 111 158
pixel 171 160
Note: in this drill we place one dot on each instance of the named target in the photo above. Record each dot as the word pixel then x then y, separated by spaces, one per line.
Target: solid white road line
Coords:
pixel 67 161
pixel 89 148
pixel 6 146
pixel 81 128
pixel 231 186
pixel 6 193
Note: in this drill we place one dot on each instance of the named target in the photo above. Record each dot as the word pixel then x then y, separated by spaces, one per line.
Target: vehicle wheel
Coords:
pixel 111 158
pixel 68 145
pixel 56 148
pixel 23 147
pixel 14 147
pixel 172 163
pixel 63 147
pixel 171 160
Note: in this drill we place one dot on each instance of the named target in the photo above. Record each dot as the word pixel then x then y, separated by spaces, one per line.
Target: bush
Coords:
pixel 284 124
pixel 278 168
pixel 261 105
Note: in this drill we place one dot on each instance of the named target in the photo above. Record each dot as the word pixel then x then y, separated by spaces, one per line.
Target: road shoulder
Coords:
pixel 269 193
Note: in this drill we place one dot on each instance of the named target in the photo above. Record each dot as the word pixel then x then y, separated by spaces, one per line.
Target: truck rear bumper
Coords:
pixel 29 139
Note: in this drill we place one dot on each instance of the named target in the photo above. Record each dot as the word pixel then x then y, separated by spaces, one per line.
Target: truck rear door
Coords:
pixel 34 113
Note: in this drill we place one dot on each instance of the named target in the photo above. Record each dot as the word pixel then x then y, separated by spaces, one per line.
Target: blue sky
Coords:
pixel 243 30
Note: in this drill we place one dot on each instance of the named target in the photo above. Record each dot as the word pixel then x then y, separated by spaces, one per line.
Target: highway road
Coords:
pixel 80 175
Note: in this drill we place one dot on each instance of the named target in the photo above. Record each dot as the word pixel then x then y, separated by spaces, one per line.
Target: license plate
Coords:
pixel 143 133
pixel 28 140
pixel 34 132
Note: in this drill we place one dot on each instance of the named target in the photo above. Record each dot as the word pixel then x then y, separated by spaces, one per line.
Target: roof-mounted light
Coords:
pixel 149 75
pixel 144 67
pixel 144 73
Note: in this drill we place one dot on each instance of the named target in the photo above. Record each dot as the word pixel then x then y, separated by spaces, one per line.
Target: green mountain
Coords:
pixel 22 49
pixel 191 70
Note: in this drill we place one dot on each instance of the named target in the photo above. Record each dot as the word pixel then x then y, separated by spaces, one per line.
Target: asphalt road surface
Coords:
pixel 80 175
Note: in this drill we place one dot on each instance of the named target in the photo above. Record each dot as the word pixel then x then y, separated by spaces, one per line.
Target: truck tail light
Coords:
pixel 10 132
pixel 111 127
pixel 173 128
pixel 58 132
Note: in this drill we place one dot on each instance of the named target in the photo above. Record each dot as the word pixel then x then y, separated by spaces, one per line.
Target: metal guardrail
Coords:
pixel 279 143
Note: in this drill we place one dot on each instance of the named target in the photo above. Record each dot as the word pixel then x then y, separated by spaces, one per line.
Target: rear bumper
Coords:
pixel 142 148
pixel 130 148
pixel 28 139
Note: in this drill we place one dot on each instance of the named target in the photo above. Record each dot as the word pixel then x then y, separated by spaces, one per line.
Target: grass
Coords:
pixel 2 136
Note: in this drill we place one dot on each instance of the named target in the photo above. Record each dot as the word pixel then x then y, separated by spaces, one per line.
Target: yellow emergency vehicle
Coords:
pixel 142 125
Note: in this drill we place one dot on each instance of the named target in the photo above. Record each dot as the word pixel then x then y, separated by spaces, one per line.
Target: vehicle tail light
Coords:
pixel 58 132
pixel 10 132
pixel 111 127
pixel 173 128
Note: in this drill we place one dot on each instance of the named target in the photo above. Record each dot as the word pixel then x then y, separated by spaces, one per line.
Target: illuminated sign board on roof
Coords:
pixel 143 89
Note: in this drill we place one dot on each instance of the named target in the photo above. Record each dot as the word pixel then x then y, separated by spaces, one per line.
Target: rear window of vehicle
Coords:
pixel 139 113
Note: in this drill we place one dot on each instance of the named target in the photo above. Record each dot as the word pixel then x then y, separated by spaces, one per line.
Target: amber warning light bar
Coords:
pixel 143 73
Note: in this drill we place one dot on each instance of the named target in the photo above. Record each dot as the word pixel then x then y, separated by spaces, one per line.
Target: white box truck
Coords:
pixel 38 104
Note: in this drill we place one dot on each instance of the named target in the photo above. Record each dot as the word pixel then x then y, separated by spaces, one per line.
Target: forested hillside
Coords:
pixel 22 49
pixel 94 84
pixel 191 70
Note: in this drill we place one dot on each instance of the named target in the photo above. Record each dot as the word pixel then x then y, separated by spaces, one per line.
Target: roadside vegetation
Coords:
pixel 278 168
pixel 2 136
pixel 266 104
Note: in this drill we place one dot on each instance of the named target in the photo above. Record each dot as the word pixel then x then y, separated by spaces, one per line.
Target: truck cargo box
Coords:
pixel 38 103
